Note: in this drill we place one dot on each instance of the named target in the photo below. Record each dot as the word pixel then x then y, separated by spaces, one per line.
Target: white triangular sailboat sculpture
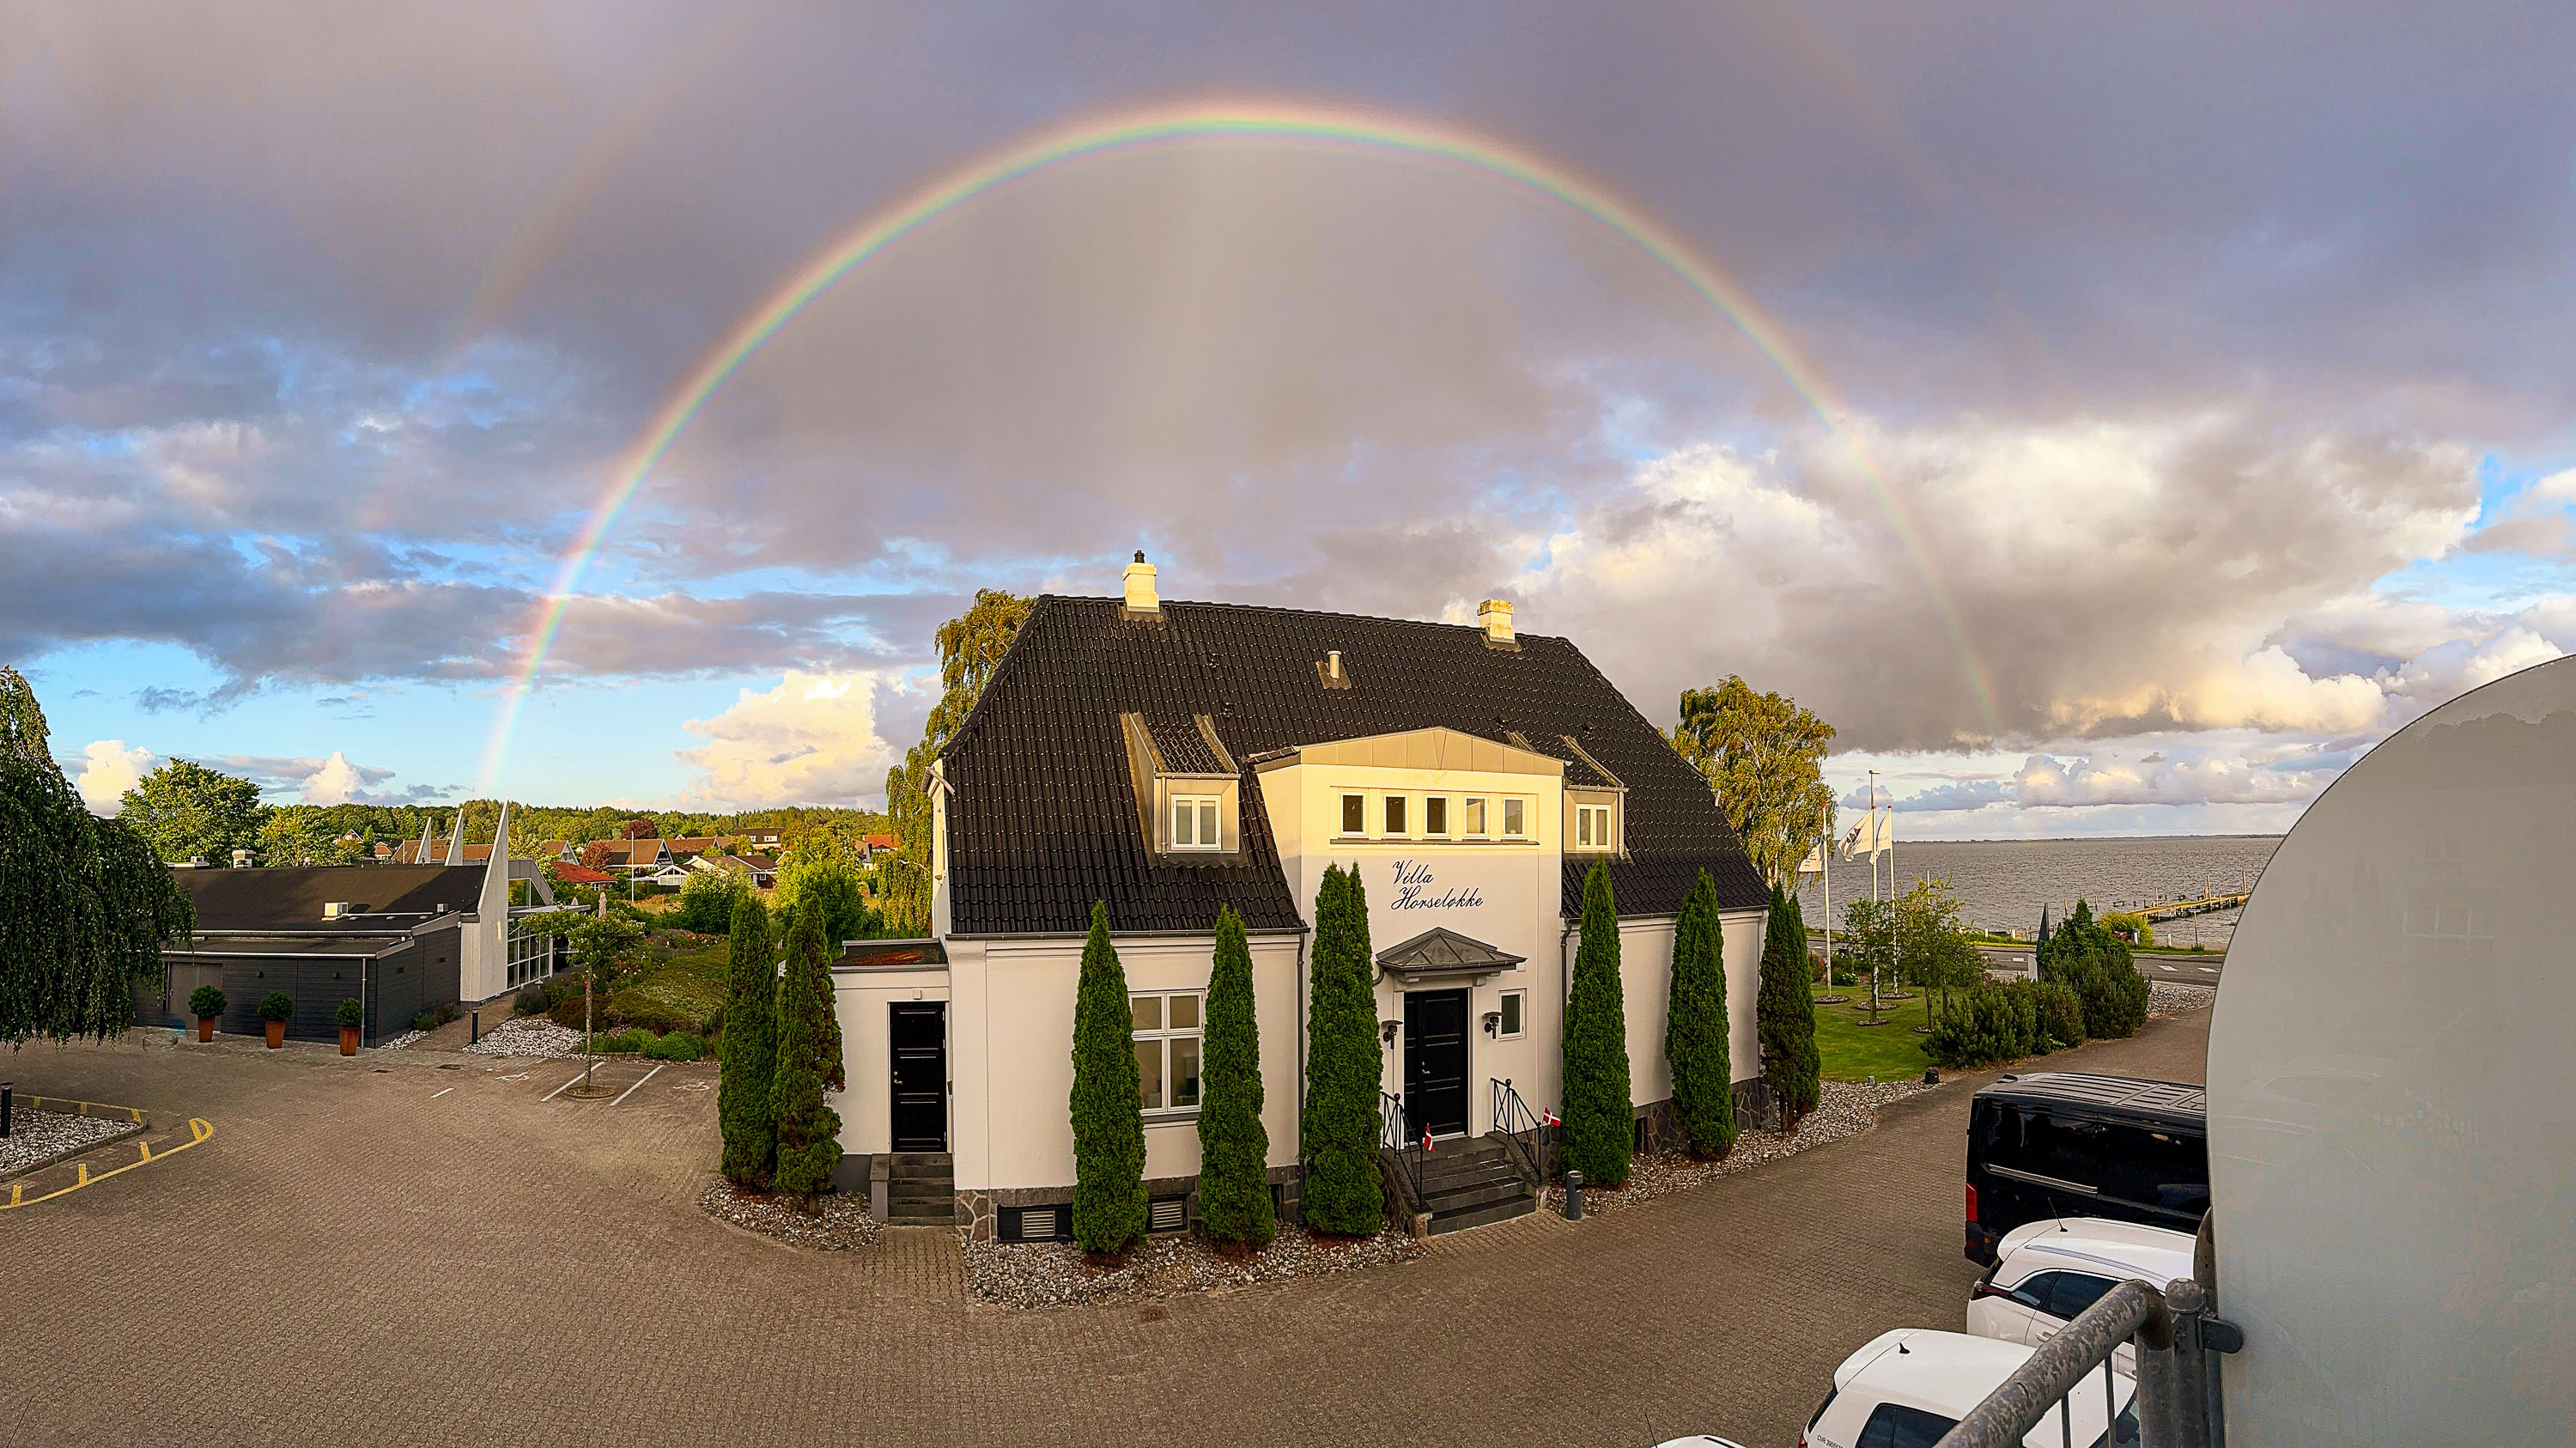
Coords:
pixel 456 839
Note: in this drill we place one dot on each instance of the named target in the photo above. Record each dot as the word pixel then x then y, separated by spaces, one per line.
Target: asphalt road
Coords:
pixel 2179 969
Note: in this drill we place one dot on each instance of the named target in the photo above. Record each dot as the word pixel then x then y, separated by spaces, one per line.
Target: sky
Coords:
pixel 2113 421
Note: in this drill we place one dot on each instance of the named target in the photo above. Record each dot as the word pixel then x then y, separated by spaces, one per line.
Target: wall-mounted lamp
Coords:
pixel 1386 1031
pixel 1493 1024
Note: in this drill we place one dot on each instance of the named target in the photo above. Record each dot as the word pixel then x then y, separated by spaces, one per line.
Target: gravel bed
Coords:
pixel 2165 998
pixel 1053 1274
pixel 1842 1110
pixel 40 1136
pixel 532 1036
pixel 838 1223
pixel 407 1038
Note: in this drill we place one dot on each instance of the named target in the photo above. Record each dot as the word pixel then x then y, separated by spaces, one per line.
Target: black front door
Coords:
pixel 1435 1062
pixel 918 1035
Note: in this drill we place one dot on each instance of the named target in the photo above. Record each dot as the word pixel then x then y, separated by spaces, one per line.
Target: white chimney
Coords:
pixel 1333 664
pixel 1140 586
pixel 1495 617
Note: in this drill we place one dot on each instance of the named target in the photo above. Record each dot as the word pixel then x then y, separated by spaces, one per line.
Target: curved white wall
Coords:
pixel 2392 1093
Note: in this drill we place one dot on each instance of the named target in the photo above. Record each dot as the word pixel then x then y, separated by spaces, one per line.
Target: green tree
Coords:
pixel 85 903
pixel 1868 941
pixel 750 1066
pixel 1234 1147
pixel 1785 1011
pixel 1765 758
pixel 1108 1104
pixel 186 811
pixel 2130 925
pixel 1695 1043
pixel 809 1063
pixel 301 834
pixel 824 868
pixel 1932 949
pixel 2097 966
pixel 709 900
pixel 1342 1193
pixel 1600 1117
pixel 971 647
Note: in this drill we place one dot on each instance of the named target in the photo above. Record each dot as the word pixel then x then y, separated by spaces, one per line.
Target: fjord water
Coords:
pixel 2003 883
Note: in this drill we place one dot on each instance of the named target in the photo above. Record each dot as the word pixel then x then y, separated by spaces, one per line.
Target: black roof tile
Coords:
pixel 1045 820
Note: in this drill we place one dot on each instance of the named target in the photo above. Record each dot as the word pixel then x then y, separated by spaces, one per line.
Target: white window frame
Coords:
pixel 530 956
pixel 1503 1010
pixel 1444 832
pixel 1162 1038
pixel 1346 832
pixel 1206 809
pixel 1475 813
pixel 1508 802
pixel 1585 817
pixel 1386 827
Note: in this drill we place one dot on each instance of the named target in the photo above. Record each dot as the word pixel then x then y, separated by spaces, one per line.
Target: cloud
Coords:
pixel 811 740
pixel 2048 782
pixel 108 770
pixel 334 780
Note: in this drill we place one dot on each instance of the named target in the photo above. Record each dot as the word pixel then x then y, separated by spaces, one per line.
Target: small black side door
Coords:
pixel 1435 1062
pixel 918 1035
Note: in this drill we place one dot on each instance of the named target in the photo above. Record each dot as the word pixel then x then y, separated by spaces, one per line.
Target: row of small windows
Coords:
pixel 1476 816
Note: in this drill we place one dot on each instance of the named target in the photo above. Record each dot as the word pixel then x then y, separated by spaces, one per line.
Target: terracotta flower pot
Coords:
pixel 348 1040
pixel 276 1034
pixel 205 1028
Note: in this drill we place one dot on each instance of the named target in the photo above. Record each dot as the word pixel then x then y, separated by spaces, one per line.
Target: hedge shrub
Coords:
pixel 1995 1023
pixel 277 1007
pixel 677 1046
pixel 205 1002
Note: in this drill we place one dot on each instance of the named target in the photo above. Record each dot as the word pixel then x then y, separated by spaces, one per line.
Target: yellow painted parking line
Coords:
pixel 81 1108
pixel 199 1130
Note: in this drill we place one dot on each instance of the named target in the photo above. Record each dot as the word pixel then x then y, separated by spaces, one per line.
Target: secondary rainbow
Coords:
pixel 1362 131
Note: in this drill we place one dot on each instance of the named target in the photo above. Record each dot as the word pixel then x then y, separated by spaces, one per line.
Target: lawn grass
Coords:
pixel 682 979
pixel 1849 1051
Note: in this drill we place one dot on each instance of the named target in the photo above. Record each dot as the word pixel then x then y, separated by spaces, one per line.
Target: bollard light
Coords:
pixel 1574 1196
pixel 474 1027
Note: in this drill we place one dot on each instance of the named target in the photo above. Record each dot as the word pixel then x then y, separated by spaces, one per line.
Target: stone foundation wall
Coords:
pixel 979 1212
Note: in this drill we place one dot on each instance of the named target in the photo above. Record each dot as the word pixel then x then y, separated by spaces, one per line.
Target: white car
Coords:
pixel 2047 1271
pixel 1910 1386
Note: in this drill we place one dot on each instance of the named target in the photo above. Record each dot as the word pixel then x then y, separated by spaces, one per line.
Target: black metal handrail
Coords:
pixel 1523 1133
pixel 1400 1145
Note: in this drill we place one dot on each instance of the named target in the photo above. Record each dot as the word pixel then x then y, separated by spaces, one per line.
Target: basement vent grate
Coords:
pixel 1167 1214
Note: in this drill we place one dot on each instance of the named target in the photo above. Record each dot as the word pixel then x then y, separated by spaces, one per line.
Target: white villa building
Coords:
pixel 1168 759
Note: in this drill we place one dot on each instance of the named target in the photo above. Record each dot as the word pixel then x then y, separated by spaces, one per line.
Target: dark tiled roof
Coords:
pixel 291 897
pixel 1183 748
pixel 1045 820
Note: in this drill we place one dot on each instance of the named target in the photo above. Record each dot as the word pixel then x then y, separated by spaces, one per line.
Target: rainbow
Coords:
pixel 1359 131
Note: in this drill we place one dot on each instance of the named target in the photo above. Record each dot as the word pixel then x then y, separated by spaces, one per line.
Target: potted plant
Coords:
pixel 206 1003
pixel 352 1015
pixel 275 1010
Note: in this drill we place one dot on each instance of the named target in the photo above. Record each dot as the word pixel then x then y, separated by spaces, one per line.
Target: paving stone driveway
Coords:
pixel 358 1260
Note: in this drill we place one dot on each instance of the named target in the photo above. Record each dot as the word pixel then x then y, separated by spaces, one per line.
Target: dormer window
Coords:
pixel 1194 822
pixel 1592 827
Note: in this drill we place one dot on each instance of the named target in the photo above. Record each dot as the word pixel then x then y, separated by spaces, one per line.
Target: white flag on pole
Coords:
pixel 1886 833
pixel 1815 861
pixel 1854 839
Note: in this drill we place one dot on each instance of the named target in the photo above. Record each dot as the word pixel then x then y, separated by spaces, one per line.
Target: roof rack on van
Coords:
pixel 2132 1094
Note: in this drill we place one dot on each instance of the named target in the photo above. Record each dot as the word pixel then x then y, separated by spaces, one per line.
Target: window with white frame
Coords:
pixel 1592 827
pixel 1435 815
pixel 531 954
pixel 1515 1014
pixel 1395 821
pixel 1475 813
pixel 1194 822
pixel 1167 1050
pixel 1515 819
pixel 1354 814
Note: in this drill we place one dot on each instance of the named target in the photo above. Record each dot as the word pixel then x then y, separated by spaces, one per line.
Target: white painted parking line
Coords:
pixel 558 1091
pixel 2164 967
pixel 631 1090
pixel 2209 970
pixel 434 1095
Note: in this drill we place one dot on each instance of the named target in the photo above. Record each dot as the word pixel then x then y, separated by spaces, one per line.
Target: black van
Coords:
pixel 2064 1143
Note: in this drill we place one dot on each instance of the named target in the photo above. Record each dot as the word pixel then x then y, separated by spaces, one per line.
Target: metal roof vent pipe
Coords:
pixel 1141 598
pixel 1494 616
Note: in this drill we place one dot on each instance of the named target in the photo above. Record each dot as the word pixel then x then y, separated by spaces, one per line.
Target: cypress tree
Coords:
pixel 1342 1193
pixel 1600 1118
pixel 809 1060
pixel 1234 1147
pixel 750 1046
pixel 1785 1012
pixel 1107 1107
pixel 1695 1044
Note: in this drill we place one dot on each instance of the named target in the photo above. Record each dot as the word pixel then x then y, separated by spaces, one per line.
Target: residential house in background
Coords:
pixel 1167 759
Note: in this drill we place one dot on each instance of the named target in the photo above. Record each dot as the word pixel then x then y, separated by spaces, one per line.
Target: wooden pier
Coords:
pixel 2177 909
